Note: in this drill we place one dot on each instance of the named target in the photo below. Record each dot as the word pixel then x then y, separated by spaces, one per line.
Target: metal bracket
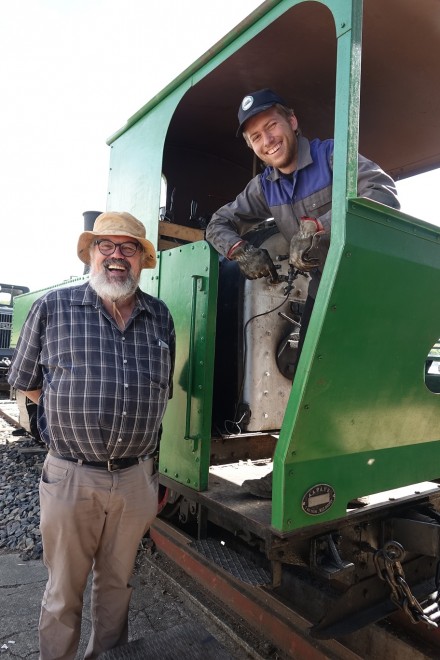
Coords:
pixel 325 559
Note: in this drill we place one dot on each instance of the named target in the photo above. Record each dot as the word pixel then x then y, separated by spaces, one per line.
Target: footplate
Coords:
pixel 231 561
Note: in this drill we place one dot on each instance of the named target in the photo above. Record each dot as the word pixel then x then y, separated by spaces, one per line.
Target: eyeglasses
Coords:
pixel 107 247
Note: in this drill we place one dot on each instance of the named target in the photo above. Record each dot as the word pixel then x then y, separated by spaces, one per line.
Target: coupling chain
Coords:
pixel 388 565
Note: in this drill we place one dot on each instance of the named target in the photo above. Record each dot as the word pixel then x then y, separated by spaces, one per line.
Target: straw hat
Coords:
pixel 114 223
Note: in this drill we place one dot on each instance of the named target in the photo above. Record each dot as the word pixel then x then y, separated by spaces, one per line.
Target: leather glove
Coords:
pixel 301 245
pixel 253 262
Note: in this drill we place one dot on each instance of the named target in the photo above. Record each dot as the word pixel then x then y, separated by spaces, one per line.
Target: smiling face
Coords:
pixel 272 138
pixel 115 277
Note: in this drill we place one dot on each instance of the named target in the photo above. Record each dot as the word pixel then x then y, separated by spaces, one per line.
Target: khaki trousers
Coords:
pixel 91 519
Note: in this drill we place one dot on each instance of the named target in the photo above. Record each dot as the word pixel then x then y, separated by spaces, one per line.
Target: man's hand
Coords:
pixel 301 245
pixel 253 262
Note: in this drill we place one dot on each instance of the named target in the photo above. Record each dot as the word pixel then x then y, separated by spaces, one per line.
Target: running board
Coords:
pixel 232 562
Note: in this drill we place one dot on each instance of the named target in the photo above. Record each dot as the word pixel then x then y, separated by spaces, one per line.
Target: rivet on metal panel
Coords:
pixel 306 407
pixel 348 254
pixel 333 308
pixel 176 474
pixel 320 357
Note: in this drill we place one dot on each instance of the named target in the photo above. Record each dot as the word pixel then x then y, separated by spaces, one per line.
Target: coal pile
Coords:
pixel 21 460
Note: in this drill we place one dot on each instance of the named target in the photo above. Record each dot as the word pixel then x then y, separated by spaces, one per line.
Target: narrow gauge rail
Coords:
pixel 277 617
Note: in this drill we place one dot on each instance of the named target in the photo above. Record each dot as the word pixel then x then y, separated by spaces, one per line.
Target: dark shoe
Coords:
pixel 259 487
pixel 19 432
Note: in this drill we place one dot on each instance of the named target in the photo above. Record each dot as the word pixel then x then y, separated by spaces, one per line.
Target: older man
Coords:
pixel 295 189
pixel 98 359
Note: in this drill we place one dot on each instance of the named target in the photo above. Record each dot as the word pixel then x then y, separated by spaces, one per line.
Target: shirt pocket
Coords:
pixel 319 203
pixel 156 365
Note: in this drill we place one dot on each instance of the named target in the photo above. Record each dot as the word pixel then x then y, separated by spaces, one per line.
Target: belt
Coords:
pixel 111 465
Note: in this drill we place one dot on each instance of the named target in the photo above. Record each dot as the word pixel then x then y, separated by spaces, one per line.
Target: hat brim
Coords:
pixel 87 237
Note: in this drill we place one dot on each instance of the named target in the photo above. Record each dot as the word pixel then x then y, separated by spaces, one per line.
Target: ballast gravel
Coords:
pixel 21 459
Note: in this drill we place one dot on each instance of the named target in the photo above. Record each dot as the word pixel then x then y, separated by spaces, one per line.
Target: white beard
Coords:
pixel 115 291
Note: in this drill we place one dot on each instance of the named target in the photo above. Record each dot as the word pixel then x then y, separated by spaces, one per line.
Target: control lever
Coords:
pixel 275 278
pixel 291 275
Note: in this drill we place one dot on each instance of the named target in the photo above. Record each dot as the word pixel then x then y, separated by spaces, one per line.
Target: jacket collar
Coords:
pixel 304 159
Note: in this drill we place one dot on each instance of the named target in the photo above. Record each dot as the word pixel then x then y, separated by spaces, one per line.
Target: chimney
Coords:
pixel 89 221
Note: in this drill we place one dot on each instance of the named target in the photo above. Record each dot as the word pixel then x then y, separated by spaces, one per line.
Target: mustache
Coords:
pixel 113 261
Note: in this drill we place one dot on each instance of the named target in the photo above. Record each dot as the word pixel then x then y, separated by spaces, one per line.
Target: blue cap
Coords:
pixel 256 102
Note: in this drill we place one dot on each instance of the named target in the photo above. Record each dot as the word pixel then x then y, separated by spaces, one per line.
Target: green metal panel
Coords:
pixel 360 417
pixel 188 285
pixel 135 172
pixel 288 491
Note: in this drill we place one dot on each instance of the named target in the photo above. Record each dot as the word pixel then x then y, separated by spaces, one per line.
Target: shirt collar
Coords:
pixel 86 295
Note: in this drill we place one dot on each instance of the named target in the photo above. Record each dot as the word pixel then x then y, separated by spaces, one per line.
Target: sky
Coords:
pixel 73 72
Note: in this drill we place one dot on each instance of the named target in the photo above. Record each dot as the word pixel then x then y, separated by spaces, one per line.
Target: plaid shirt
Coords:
pixel 104 390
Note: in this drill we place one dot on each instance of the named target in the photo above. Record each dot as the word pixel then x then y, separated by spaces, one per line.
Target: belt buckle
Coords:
pixel 110 466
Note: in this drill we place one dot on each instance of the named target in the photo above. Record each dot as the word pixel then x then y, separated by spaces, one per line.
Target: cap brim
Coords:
pixel 252 113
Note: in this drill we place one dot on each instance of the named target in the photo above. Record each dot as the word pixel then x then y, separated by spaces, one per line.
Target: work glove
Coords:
pixel 253 262
pixel 302 244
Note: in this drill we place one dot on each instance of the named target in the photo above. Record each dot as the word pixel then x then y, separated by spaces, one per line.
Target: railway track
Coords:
pixel 280 622
pixel 9 412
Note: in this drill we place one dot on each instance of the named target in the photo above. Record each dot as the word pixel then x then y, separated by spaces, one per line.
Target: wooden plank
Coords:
pixel 167 245
pixel 181 232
